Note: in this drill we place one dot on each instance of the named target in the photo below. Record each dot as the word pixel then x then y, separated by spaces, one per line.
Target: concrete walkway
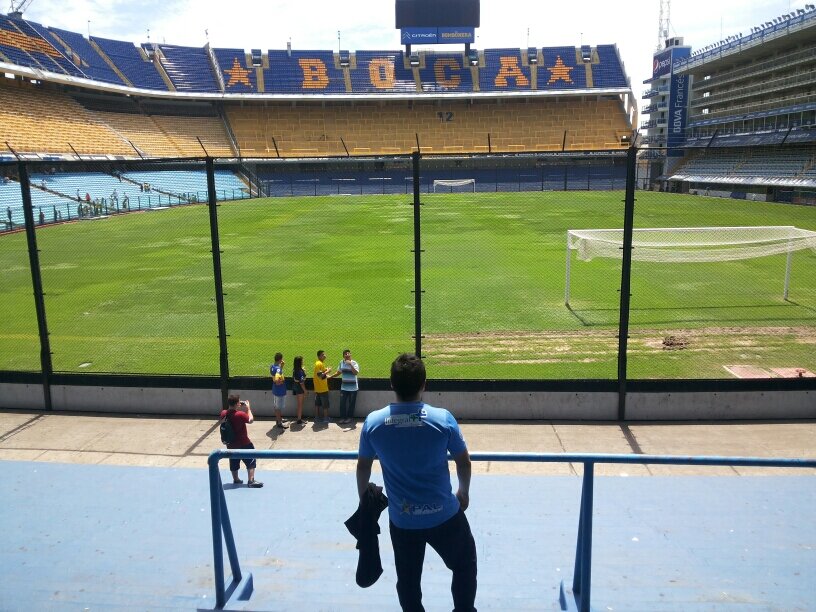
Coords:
pixel 186 442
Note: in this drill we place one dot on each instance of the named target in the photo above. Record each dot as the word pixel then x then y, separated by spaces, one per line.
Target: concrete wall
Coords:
pixel 544 405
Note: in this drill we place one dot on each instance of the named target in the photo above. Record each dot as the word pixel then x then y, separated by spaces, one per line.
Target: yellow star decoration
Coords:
pixel 238 74
pixel 560 72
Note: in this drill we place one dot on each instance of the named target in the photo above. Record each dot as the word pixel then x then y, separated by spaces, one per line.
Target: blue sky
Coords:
pixel 369 24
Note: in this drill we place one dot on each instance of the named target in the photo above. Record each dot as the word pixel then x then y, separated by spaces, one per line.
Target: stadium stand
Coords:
pixel 84 55
pixel 34 119
pixel 132 62
pixel 371 128
pixel 302 127
pixel 188 68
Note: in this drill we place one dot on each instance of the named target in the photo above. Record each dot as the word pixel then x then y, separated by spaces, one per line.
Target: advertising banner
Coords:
pixel 437 36
pixel 678 106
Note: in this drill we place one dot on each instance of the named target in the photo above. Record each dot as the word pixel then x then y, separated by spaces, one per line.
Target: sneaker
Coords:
pixel 300 422
pixel 282 426
pixel 254 484
pixel 237 482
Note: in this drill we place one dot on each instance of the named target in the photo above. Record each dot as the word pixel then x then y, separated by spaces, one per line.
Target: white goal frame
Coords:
pixel 454 183
pixel 691 244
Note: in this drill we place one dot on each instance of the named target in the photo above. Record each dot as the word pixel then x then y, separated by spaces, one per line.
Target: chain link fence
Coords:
pixel 510 268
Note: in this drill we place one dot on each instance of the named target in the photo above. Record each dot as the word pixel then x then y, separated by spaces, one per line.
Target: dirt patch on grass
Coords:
pixel 526 347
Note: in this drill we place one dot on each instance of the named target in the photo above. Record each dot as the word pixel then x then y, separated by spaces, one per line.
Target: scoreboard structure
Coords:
pixel 437 22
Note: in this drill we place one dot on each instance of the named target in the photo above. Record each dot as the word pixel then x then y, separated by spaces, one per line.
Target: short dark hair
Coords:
pixel 318 353
pixel 278 357
pixel 233 400
pixel 407 375
pixel 346 351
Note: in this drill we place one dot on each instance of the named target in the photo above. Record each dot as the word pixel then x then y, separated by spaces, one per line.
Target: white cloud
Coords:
pixel 369 24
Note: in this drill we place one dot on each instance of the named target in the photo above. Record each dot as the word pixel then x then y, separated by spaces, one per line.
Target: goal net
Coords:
pixel 447 186
pixel 691 244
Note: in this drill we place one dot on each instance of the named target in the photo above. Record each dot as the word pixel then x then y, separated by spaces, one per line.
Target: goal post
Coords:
pixel 690 245
pixel 455 183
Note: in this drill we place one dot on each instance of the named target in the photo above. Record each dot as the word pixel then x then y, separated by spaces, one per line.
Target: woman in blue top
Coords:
pixel 299 387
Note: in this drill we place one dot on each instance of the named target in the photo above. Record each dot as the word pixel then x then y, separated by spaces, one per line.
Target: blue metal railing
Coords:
pixel 578 597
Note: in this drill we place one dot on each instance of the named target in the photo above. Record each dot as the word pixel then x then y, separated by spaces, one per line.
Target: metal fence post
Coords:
pixel 36 281
pixel 219 286
pixel 626 277
pixel 417 260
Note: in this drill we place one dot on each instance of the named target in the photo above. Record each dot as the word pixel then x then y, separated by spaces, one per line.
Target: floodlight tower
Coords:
pixel 16 9
pixel 663 23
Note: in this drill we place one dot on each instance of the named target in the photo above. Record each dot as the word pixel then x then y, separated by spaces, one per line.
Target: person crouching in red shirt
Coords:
pixel 241 441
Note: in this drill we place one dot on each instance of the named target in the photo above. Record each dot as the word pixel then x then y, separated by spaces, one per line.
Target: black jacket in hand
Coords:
pixel 363 526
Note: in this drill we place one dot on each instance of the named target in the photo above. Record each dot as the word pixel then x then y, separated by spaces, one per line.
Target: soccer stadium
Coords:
pixel 591 277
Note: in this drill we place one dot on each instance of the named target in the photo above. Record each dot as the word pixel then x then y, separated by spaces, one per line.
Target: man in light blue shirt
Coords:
pixel 349 370
pixel 412 439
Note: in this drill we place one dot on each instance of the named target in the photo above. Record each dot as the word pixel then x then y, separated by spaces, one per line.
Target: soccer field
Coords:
pixel 135 293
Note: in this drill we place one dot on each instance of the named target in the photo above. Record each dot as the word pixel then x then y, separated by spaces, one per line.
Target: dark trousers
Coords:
pixel 453 541
pixel 348 400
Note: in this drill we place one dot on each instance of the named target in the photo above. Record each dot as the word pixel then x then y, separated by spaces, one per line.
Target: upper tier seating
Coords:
pixel 454 127
pixel 312 72
pixel 238 78
pixel 188 68
pixel 132 63
pixel 446 72
pixel 561 69
pixel 22 43
pixel 609 72
pixel 309 72
pixel 504 71
pixel 92 63
pixel 381 72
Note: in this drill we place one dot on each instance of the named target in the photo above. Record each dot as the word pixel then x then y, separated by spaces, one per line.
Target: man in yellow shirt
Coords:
pixel 321 387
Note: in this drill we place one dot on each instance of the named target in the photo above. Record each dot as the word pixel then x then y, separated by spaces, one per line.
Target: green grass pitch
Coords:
pixel 135 293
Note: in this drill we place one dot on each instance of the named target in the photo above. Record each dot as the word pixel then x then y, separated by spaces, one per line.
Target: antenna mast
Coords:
pixel 663 23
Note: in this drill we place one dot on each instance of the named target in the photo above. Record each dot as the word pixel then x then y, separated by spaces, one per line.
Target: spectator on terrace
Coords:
pixel 87 198
pixel 42 216
pixel 55 212
pixel 8 212
pixel 115 199
pixel 411 440
pixel 349 370
pixel 241 441
pixel 299 387
pixel 278 389
pixel 125 202
pixel 320 378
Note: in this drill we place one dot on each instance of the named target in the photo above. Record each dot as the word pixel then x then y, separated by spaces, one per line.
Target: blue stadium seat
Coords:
pixel 189 68
pixel 142 73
